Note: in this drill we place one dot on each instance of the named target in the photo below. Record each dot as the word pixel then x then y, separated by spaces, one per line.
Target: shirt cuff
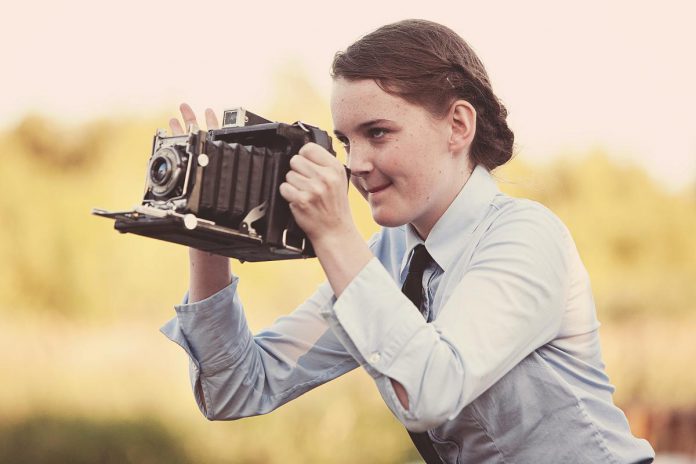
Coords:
pixel 378 319
pixel 212 331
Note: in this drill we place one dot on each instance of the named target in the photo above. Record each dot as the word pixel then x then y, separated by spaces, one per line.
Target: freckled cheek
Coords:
pixel 392 163
pixel 416 190
pixel 426 182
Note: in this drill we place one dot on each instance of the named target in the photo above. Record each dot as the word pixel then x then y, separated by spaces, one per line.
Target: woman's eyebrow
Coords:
pixel 364 125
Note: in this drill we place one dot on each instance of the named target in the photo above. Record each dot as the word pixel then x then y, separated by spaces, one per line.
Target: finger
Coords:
pixel 329 176
pixel 290 193
pixel 211 120
pixel 304 166
pixel 175 126
pixel 317 154
pixel 188 115
pixel 298 181
pixel 297 199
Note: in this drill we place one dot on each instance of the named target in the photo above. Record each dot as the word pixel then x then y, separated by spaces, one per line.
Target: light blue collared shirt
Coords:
pixel 506 367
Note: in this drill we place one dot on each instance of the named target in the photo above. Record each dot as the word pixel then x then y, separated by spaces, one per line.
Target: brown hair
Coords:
pixel 428 64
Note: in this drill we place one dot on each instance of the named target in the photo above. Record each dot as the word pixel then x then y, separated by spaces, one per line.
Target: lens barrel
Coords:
pixel 161 171
pixel 165 174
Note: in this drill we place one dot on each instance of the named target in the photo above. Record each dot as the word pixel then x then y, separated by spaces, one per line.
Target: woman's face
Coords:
pixel 399 155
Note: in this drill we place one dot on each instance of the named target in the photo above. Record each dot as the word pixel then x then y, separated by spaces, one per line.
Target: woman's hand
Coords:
pixel 316 189
pixel 190 120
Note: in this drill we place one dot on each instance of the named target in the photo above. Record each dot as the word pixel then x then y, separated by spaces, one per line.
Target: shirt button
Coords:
pixel 374 358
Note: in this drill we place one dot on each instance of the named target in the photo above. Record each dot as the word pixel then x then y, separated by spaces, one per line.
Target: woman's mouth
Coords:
pixel 377 189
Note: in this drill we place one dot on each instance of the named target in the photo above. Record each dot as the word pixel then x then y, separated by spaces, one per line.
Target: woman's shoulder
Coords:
pixel 526 223
pixel 525 213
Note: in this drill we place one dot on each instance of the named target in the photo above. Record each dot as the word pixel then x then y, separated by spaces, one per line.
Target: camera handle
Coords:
pixel 320 137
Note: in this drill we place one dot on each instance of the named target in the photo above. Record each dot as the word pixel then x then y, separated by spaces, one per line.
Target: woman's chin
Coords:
pixel 385 219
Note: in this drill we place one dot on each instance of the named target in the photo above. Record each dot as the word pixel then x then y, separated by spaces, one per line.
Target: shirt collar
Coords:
pixel 457 223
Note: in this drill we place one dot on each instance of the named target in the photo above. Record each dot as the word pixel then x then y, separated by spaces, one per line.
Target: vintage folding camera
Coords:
pixel 217 191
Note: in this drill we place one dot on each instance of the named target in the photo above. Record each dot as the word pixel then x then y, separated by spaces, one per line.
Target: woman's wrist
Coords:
pixel 342 255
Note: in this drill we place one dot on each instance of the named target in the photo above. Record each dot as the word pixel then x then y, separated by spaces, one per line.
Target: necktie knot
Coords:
pixel 420 259
pixel 413 285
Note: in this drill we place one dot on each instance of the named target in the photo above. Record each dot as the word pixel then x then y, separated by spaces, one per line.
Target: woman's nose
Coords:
pixel 359 161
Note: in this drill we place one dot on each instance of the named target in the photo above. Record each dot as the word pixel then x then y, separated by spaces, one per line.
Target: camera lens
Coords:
pixel 166 173
pixel 161 171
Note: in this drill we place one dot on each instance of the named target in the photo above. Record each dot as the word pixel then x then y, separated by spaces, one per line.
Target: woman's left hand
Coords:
pixel 316 189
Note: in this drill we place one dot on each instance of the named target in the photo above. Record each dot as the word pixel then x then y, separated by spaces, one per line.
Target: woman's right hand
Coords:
pixel 208 273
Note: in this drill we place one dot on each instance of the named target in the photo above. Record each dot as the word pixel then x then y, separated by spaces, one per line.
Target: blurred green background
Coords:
pixel 86 377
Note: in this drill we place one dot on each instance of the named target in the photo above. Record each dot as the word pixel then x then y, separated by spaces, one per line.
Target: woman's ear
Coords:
pixel 462 117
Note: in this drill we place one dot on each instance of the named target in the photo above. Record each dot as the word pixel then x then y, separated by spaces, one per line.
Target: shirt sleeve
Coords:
pixel 507 303
pixel 235 374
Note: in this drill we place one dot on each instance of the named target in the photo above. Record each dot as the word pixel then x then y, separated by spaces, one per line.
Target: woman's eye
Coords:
pixel 377 132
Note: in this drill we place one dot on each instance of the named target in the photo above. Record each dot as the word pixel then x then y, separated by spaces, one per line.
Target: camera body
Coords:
pixel 217 191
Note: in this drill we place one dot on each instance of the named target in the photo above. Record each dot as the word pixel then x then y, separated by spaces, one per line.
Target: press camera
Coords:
pixel 217 191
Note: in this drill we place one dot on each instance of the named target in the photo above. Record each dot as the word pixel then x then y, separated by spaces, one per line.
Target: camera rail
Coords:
pixel 187 229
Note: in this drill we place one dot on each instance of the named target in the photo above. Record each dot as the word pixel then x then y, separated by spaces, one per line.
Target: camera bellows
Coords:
pixel 235 181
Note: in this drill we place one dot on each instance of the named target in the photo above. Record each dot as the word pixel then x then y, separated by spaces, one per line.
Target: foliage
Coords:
pixel 59 147
pixel 85 441
pixel 56 256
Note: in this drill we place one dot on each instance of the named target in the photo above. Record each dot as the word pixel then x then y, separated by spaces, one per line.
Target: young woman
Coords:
pixel 471 310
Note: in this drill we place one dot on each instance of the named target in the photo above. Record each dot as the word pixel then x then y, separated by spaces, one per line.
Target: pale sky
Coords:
pixel 575 76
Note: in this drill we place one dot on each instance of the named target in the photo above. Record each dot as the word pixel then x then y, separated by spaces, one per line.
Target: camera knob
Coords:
pixel 203 160
pixel 190 221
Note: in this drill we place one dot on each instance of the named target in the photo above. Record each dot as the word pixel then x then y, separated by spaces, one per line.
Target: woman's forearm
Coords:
pixel 208 274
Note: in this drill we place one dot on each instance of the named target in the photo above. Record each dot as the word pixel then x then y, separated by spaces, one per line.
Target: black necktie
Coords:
pixel 413 285
pixel 413 289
